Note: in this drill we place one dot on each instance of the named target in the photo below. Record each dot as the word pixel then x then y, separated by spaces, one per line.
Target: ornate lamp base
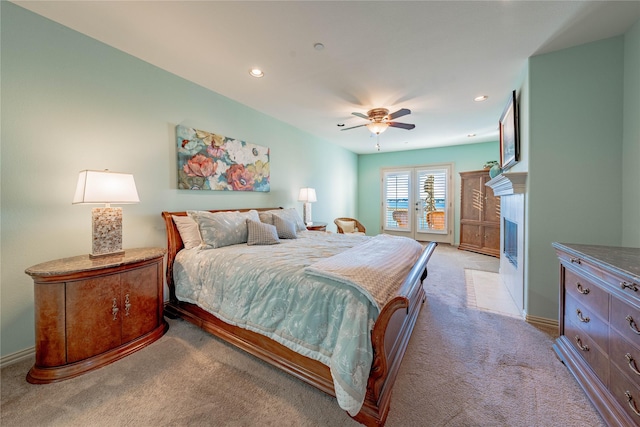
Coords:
pixel 306 212
pixel 107 232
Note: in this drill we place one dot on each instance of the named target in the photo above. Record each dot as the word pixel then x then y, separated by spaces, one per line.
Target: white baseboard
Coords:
pixel 16 357
pixel 542 321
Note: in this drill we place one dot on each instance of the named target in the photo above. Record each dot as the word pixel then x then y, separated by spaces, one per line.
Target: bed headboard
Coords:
pixel 174 241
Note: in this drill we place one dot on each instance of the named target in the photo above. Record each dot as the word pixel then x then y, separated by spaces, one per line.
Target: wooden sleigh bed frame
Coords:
pixel 390 335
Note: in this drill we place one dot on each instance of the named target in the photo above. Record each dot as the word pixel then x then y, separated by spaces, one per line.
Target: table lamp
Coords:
pixel 97 187
pixel 307 195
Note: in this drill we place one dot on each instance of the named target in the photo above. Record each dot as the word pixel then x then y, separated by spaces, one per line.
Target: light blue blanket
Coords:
pixel 265 289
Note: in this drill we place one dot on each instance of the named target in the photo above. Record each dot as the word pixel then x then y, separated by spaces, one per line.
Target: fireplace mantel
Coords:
pixel 508 183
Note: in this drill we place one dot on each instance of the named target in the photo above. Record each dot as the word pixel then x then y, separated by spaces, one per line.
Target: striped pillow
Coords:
pixel 259 233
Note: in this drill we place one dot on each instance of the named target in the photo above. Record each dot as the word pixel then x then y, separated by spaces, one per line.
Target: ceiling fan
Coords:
pixel 380 120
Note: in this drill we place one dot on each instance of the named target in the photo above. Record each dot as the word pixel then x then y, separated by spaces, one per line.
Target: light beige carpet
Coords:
pixel 485 291
pixel 463 367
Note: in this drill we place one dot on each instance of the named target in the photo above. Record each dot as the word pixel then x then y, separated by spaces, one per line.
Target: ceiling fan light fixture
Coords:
pixel 377 127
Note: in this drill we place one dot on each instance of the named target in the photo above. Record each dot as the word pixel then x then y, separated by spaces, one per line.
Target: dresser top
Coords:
pixel 86 263
pixel 612 258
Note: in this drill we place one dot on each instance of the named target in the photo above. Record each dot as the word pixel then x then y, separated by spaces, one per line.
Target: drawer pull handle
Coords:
pixel 632 404
pixel 127 305
pixel 632 286
pixel 583 291
pixel 115 309
pixel 582 319
pixel 632 363
pixel 582 347
pixel 632 324
pixel 575 260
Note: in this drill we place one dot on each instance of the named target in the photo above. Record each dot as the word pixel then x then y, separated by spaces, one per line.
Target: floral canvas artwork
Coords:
pixel 207 161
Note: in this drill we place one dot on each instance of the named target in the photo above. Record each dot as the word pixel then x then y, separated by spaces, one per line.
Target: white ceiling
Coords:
pixel 432 57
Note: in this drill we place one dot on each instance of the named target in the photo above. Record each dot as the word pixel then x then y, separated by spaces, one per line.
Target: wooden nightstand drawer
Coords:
pixel 587 293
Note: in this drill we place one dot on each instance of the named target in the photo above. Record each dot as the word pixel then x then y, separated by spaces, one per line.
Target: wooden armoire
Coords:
pixel 479 214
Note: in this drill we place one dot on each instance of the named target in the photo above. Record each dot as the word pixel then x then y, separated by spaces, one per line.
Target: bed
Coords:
pixel 390 325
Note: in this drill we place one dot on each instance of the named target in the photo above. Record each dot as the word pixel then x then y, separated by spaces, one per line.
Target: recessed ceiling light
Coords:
pixel 318 46
pixel 471 135
pixel 256 72
pixel 340 125
pixel 480 98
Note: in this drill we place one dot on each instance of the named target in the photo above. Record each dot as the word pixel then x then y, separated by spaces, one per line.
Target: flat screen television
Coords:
pixel 509 134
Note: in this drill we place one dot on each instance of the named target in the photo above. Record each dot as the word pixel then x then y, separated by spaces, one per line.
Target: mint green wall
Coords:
pixel 631 140
pixel 464 157
pixel 575 122
pixel 71 103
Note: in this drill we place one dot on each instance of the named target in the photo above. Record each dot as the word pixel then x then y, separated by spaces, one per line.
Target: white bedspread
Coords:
pixel 376 267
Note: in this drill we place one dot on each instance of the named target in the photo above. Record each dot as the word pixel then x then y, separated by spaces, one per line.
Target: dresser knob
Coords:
pixel 583 291
pixel 632 404
pixel 632 363
pixel 632 324
pixel 582 347
pixel 582 319
pixel 115 309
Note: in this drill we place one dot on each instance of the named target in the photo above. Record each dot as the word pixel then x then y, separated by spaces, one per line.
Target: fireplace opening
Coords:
pixel 510 243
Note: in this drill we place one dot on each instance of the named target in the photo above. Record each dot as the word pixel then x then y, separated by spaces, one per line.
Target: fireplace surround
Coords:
pixel 511 188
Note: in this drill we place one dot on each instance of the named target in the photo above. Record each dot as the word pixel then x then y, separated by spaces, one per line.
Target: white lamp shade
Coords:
pixel 105 187
pixel 307 195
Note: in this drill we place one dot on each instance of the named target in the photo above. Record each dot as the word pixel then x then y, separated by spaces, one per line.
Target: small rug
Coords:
pixel 486 292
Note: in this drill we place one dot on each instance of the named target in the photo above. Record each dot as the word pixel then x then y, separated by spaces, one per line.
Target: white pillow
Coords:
pixel 189 232
pixel 259 233
pixel 223 228
pixel 347 226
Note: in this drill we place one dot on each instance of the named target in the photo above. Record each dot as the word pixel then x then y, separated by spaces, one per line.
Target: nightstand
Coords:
pixel 317 226
pixel 90 312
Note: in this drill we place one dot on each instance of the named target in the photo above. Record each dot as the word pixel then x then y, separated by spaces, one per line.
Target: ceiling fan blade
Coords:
pixel 360 115
pixel 353 127
pixel 406 126
pixel 399 113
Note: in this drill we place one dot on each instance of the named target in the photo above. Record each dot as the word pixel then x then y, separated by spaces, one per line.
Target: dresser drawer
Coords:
pixel 587 321
pixel 626 393
pixel 625 356
pixel 625 319
pixel 587 293
pixel 596 358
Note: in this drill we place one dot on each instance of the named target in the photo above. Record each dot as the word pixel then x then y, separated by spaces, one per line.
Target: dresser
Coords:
pixel 479 214
pixel 600 326
pixel 90 312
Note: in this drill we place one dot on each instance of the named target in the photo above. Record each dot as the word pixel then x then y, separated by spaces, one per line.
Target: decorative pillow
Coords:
pixel 290 214
pixel 266 217
pixel 189 232
pixel 347 226
pixel 259 233
pixel 223 228
pixel 286 229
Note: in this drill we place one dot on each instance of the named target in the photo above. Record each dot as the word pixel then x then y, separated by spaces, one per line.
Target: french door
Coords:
pixel 417 202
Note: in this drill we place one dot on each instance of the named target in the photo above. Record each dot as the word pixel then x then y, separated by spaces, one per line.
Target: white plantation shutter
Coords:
pixel 396 190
